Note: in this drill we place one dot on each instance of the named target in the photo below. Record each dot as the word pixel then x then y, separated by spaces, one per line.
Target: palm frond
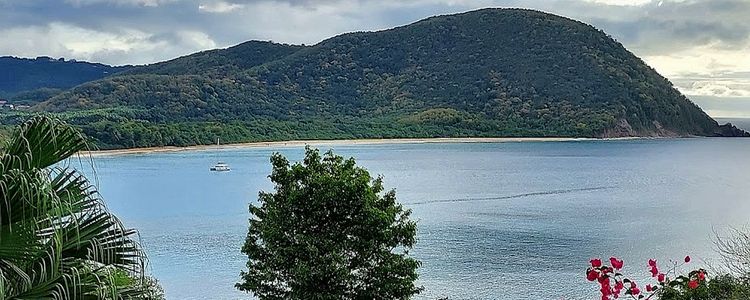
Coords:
pixel 41 142
pixel 57 239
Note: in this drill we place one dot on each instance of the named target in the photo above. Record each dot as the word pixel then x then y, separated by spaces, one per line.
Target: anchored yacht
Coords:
pixel 220 167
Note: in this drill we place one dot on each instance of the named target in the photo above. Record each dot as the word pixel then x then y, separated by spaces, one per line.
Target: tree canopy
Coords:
pixel 328 232
pixel 24 74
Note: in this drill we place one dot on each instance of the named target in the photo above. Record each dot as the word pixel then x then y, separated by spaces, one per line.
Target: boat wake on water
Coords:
pixel 552 192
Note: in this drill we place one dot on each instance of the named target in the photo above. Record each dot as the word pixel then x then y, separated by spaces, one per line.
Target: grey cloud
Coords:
pixel 724 107
pixel 653 29
pixel 648 29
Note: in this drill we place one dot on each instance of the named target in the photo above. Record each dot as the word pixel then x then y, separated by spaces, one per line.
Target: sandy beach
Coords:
pixel 299 143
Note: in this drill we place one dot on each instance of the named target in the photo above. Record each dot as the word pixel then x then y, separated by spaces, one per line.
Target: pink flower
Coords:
pixel 616 263
pixel 693 284
pixel 649 288
pixel 687 259
pixel 652 263
pixel 701 276
pixel 592 275
pixel 596 262
pixel 654 271
pixel 662 277
pixel 635 291
pixel 618 287
pixel 604 281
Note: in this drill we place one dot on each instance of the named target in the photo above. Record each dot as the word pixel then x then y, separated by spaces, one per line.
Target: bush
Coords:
pixel 328 232
pixel 723 287
pixel 669 285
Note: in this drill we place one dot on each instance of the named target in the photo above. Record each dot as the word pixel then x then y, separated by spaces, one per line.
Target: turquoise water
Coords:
pixel 496 220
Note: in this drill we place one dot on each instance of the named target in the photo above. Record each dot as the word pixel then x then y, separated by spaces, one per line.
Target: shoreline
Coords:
pixel 298 143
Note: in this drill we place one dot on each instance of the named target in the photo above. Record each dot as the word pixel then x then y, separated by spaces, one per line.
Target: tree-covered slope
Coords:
pixel 491 72
pixel 23 74
pixel 220 62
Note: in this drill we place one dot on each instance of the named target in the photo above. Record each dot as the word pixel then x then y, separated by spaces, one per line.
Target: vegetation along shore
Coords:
pixel 299 143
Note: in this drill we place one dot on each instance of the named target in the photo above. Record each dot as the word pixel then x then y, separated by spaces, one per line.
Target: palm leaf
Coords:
pixel 57 239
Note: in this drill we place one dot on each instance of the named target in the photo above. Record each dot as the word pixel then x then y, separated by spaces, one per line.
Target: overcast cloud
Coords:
pixel 701 45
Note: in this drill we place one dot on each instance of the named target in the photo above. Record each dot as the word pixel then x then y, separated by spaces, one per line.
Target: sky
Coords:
pixel 702 46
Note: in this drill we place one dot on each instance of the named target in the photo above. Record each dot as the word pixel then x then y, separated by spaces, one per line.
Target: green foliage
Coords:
pixel 111 128
pixel 440 116
pixel 328 232
pixel 491 72
pixel 5 133
pixel 724 287
pixel 33 97
pixel 57 239
pixel 220 62
pixel 22 74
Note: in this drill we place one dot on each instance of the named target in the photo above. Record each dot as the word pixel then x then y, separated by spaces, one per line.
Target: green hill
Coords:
pixel 219 62
pixel 24 74
pixel 491 72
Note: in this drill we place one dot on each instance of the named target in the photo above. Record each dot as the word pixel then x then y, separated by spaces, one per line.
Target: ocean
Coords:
pixel 495 220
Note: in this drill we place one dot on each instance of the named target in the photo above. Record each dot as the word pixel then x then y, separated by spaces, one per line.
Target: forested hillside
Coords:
pixel 492 72
pixel 220 62
pixel 24 74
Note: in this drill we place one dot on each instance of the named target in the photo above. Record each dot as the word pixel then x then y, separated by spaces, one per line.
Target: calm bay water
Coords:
pixel 496 220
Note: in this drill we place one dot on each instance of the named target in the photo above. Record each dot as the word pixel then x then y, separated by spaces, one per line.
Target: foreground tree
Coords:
pixel 328 232
pixel 57 240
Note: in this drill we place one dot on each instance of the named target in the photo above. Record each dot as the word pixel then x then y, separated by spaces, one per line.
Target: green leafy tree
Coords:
pixel 57 240
pixel 328 232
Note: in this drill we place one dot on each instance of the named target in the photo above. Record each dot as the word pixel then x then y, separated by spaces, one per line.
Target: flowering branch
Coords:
pixel 612 283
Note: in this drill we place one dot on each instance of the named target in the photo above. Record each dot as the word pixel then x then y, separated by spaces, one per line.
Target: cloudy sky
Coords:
pixel 703 46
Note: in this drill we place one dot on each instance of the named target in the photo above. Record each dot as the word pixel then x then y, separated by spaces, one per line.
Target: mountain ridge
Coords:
pixel 19 74
pixel 210 62
pixel 490 72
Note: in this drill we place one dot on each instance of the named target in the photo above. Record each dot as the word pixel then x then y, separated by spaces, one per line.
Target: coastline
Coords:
pixel 299 143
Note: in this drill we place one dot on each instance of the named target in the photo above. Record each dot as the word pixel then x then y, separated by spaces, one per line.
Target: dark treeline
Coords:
pixel 24 74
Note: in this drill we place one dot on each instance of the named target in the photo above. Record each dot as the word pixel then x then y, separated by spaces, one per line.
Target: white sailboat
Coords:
pixel 220 166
